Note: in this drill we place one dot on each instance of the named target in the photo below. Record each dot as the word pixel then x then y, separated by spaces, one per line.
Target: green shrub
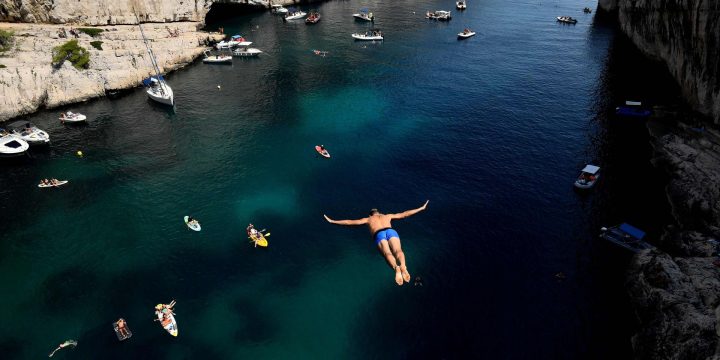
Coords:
pixel 78 55
pixel 91 31
pixel 6 40
pixel 2 66
pixel 96 44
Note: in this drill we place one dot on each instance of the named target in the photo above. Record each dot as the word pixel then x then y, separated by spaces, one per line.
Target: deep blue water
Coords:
pixel 492 130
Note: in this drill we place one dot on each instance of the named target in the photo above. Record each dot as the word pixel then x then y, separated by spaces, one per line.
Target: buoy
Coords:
pixel 79 153
pixel 218 87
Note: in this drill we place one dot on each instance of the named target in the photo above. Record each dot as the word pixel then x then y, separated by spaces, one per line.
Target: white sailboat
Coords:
pixel 158 89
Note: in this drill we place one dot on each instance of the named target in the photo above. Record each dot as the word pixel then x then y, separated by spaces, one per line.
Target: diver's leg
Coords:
pixel 388 255
pixel 396 249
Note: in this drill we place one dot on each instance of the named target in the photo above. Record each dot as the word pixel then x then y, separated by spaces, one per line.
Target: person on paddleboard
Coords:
pixel 122 328
pixel 386 238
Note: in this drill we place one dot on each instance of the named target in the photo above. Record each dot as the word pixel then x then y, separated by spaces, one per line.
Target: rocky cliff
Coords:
pixel 29 81
pixel 685 35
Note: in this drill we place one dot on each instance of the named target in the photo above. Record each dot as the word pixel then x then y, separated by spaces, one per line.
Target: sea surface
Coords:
pixel 492 130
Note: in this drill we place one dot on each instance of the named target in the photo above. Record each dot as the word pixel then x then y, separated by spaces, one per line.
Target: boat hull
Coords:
pixel 367 38
pixel 12 145
pixel 167 99
pixel 465 36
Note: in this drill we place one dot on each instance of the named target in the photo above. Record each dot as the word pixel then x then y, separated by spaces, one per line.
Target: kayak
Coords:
pixel 59 183
pixel 195 226
pixel 121 336
pixel 259 240
pixel 170 325
pixel 322 152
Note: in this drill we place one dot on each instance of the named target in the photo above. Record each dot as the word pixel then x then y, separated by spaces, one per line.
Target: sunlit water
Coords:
pixel 492 130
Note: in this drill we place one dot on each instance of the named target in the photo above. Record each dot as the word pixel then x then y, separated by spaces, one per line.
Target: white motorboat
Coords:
pixel 72 117
pixel 364 15
pixel 566 20
pixel 461 5
pixel 440 15
pixel 369 35
pixel 278 9
pixel 217 59
pixel 29 132
pixel 466 34
pixel 589 175
pixel 12 145
pixel 160 91
pixel 234 41
pixel 245 50
pixel 294 14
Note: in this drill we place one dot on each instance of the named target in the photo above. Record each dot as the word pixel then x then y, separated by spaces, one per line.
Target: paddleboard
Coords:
pixel 120 336
pixel 259 240
pixel 59 183
pixel 324 153
pixel 195 226
pixel 171 325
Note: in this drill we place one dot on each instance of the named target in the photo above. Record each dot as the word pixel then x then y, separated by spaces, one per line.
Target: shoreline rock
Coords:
pixel 29 82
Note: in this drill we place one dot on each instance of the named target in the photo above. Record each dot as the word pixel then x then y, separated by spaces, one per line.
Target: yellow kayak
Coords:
pixel 259 240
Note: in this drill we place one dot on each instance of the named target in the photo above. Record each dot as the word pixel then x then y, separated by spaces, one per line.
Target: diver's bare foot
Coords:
pixel 398 276
pixel 405 274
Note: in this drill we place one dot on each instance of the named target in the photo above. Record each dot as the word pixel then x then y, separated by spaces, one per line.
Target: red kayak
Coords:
pixel 322 151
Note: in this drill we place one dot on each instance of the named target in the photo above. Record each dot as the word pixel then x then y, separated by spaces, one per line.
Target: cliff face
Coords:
pixel 685 35
pixel 30 82
pixel 102 12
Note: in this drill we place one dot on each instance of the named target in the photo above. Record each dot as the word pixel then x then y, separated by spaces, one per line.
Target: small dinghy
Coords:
pixel 52 183
pixel 313 18
pixel 72 117
pixel 371 35
pixel 364 15
pixel 588 177
pixel 566 20
pixel 461 5
pixel 123 333
pixel 322 151
pixel 294 14
pixel 217 59
pixel 29 132
pixel 12 145
pixel 192 224
pixel 627 236
pixel 166 317
pixel 466 34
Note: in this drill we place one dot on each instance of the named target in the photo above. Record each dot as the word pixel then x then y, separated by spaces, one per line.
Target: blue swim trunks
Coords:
pixel 385 234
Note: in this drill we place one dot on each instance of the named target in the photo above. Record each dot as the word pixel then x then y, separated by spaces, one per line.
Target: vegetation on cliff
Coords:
pixel 96 44
pixel 91 31
pixel 6 40
pixel 76 54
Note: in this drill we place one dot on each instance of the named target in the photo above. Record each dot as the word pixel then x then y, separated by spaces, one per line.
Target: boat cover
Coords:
pixel 632 231
pixel 364 10
pixel 590 169
pixel 146 82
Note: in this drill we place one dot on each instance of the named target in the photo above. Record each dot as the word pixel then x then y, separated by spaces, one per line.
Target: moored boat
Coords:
pixel 364 15
pixel 245 50
pixel 369 35
pixel 278 9
pixel 461 5
pixel 627 236
pixel 166 317
pixel 229 44
pixel 632 109
pixel 566 20
pixel 29 132
pixel 466 34
pixel 12 145
pixel 588 177
pixel 440 15
pixel 71 117
pixel 294 14
pixel 159 90
pixel 217 58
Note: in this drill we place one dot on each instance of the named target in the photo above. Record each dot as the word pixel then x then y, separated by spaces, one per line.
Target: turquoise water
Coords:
pixel 492 130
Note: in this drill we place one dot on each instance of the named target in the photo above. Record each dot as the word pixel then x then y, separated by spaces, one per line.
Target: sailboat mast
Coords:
pixel 152 56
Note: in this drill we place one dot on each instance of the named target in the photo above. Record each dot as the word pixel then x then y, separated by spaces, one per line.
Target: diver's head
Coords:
pixel 374 211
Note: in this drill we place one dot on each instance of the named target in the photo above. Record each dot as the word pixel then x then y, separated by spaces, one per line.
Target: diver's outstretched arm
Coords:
pixel 412 212
pixel 362 221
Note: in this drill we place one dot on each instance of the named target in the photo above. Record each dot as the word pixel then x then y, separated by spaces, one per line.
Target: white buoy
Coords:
pixel 218 87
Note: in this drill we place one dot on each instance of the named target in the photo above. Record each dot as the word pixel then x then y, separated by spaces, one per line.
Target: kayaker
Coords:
pixel 122 328
pixel 386 238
